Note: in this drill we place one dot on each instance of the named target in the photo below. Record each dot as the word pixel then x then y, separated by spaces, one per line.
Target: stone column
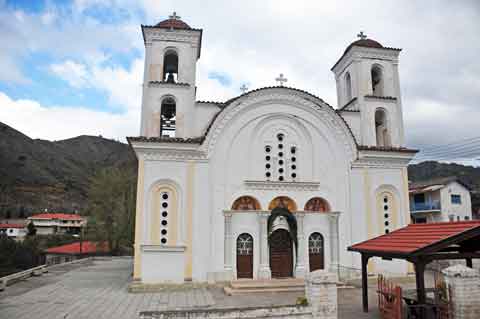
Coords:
pixel 264 271
pixel 334 243
pixel 300 268
pixel 227 245
pixel 321 293
pixel 464 284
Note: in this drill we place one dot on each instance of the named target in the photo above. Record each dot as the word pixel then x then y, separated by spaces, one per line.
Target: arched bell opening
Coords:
pixel 167 117
pixel 382 129
pixel 348 87
pixel 377 80
pixel 170 67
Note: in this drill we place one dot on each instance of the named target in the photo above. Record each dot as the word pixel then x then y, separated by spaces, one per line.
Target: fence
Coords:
pixel 390 302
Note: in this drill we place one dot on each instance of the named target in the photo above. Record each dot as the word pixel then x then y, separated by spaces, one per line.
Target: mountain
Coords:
pixel 37 174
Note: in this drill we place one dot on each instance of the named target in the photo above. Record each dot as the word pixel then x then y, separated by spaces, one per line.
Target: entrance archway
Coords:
pixel 315 251
pixel 245 256
pixel 281 254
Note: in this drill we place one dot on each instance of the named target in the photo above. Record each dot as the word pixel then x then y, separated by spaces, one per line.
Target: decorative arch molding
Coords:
pixel 318 204
pixel 301 99
pixel 284 202
pixel 246 203
pixel 388 207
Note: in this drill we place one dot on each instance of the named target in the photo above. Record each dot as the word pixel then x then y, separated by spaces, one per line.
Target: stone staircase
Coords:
pixel 248 286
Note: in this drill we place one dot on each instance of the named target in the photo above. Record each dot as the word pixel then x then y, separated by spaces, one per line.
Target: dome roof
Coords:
pixel 173 24
pixel 366 43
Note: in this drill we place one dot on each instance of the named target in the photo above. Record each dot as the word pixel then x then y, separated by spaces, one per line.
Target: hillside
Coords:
pixel 37 174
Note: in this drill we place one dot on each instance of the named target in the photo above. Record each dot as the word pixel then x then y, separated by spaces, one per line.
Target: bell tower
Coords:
pixel 172 49
pixel 367 81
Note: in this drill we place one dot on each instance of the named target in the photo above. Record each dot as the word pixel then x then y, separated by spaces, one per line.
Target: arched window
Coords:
pixel 377 80
pixel 170 66
pixel 317 204
pixel 387 207
pixel 348 87
pixel 163 213
pixel 246 203
pixel 316 251
pixel 283 202
pixel 245 256
pixel 167 117
pixel 381 128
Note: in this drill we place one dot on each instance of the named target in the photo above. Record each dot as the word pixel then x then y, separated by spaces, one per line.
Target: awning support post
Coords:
pixel 365 282
pixel 420 281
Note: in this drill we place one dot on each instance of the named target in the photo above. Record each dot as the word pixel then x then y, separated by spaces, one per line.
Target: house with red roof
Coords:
pixel 73 251
pixel 15 231
pixel 57 223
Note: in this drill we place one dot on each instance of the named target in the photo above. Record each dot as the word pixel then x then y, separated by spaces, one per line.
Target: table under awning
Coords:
pixel 421 244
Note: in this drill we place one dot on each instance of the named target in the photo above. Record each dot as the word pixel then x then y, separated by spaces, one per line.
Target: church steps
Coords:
pixel 247 286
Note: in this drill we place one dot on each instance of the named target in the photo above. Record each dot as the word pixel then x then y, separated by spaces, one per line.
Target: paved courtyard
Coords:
pixel 98 289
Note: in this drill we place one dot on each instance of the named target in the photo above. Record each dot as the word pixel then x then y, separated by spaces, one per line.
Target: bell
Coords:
pixel 280 222
pixel 170 78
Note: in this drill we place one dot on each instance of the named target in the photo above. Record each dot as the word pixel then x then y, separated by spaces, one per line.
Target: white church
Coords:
pixel 273 183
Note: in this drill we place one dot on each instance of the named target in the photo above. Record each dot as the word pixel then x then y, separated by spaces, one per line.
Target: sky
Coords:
pixel 75 67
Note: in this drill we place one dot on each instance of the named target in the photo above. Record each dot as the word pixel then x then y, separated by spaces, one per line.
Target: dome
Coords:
pixel 173 24
pixel 366 43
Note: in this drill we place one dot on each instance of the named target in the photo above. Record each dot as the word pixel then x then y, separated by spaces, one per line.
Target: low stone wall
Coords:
pixel 464 285
pixel 300 312
pixel 320 291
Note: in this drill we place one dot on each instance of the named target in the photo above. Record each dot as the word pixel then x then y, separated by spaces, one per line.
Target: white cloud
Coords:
pixel 123 87
pixel 74 73
pixel 61 122
pixel 253 41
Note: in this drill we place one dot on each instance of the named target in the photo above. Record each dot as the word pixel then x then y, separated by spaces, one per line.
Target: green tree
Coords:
pixel 111 205
pixel 31 230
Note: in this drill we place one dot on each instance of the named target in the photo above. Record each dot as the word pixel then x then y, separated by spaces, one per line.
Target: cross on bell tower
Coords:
pixel 362 35
pixel 174 16
pixel 281 79
pixel 243 88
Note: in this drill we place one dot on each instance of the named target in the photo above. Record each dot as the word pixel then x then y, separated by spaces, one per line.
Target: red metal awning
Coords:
pixel 415 237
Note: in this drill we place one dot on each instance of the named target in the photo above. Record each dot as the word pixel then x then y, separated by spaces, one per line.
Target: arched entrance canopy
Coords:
pixel 291 220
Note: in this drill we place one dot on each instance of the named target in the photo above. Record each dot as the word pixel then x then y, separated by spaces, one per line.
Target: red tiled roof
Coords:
pixel 410 239
pixel 88 247
pixel 12 226
pixel 366 43
pixel 173 23
pixel 56 216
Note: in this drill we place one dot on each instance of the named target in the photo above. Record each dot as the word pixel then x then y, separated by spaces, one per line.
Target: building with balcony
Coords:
pixel 57 223
pixel 15 231
pixel 440 200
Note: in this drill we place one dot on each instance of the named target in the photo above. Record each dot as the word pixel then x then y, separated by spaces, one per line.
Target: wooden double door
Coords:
pixel 281 254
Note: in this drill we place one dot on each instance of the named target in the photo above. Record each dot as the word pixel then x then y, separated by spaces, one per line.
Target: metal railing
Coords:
pixel 36 271
pixel 415 207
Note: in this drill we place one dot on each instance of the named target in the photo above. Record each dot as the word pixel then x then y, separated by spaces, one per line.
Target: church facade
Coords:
pixel 273 183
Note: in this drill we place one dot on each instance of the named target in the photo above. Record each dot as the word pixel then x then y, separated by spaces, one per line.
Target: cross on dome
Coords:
pixel 244 88
pixel 362 35
pixel 281 79
pixel 174 16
